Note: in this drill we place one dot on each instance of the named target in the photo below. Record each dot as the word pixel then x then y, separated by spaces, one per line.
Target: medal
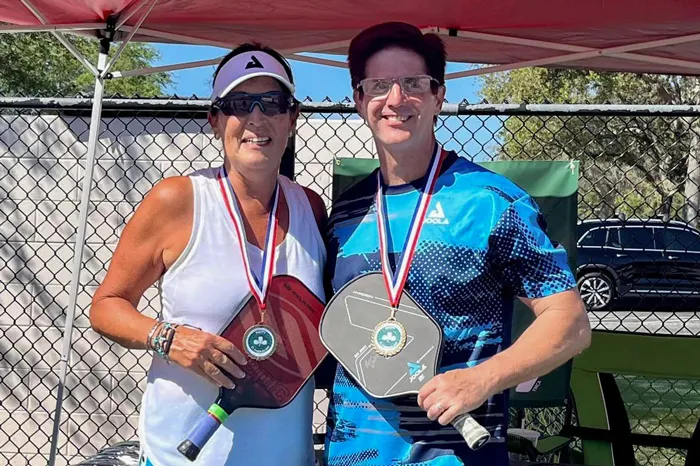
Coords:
pixel 389 336
pixel 259 341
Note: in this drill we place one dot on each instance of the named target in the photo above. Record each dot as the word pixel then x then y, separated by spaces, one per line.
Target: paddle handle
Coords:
pixel 202 432
pixel 474 433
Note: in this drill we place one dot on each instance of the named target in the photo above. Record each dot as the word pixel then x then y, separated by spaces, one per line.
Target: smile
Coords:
pixel 396 118
pixel 258 141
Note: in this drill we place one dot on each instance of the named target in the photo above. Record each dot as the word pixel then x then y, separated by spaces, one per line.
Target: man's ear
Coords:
pixel 358 104
pixel 440 97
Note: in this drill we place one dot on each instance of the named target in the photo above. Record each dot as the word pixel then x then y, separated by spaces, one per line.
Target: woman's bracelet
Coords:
pixel 151 335
pixel 160 338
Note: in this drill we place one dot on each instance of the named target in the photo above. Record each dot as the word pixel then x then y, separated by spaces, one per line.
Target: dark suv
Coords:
pixel 647 258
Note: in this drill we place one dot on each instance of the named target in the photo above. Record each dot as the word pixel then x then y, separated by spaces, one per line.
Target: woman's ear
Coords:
pixel 213 118
pixel 293 116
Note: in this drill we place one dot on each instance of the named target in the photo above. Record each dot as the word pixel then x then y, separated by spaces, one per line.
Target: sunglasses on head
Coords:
pixel 242 104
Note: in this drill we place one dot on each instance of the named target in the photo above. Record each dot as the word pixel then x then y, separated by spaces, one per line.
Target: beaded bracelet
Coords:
pixel 160 338
pixel 151 334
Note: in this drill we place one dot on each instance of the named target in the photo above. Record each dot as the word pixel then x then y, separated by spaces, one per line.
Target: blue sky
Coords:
pixel 315 81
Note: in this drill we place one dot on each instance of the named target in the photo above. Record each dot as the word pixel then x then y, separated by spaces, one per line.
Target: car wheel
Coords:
pixel 597 290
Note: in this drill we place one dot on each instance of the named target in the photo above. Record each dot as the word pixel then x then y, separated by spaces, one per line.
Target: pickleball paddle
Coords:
pixel 284 349
pixel 387 357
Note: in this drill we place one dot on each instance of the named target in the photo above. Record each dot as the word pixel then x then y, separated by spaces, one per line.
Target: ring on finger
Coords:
pixel 439 407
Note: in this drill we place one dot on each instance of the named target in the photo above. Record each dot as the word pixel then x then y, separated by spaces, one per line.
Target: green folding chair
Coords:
pixel 634 362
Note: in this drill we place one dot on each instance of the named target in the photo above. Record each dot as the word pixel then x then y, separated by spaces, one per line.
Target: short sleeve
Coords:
pixel 524 256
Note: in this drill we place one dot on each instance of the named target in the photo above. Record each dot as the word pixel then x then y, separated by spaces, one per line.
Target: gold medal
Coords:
pixel 388 337
pixel 259 342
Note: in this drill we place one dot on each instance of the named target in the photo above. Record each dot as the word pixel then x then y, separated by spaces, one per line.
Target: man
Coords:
pixel 482 243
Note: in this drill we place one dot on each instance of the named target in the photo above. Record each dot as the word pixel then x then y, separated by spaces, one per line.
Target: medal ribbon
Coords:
pixel 258 286
pixel 395 282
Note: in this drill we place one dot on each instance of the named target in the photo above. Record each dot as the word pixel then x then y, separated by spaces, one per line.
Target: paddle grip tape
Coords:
pixel 474 433
pixel 202 432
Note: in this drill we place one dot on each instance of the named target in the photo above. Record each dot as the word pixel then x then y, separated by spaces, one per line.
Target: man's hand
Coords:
pixel 455 392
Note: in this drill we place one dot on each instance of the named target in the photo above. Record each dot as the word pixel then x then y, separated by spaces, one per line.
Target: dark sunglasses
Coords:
pixel 242 104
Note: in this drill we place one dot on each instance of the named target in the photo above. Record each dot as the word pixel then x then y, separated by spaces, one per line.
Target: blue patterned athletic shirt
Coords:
pixel 483 243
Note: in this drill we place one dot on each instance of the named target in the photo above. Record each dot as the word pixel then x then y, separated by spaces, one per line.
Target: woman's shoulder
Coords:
pixel 169 200
pixel 171 192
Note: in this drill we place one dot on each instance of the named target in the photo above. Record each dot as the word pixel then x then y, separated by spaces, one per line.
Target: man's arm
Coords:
pixel 537 271
pixel 560 331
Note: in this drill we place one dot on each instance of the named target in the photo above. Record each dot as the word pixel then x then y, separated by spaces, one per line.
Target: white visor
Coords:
pixel 246 66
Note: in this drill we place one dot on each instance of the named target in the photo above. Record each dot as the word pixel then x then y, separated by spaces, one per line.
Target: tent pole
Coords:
pixel 126 41
pixel 5 29
pixel 130 11
pixel 61 38
pixel 577 52
pixel 213 61
pixel 317 61
pixel 95 121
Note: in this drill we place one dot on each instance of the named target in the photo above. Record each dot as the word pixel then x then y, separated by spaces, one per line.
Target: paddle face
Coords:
pixel 295 350
pixel 347 330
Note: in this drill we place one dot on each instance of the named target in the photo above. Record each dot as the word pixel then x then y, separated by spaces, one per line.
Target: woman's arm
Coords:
pixel 151 242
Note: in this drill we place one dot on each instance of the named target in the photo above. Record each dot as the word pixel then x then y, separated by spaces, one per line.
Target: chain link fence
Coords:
pixel 639 182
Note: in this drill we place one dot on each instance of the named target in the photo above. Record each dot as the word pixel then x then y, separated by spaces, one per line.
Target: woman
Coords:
pixel 183 236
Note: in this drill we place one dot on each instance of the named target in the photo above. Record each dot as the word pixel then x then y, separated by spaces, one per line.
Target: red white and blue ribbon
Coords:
pixel 395 282
pixel 258 284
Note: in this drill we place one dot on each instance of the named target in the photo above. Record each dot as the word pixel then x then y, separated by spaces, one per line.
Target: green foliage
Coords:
pixel 38 64
pixel 631 164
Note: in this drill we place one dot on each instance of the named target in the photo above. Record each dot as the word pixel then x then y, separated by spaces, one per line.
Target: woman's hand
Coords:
pixel 208 355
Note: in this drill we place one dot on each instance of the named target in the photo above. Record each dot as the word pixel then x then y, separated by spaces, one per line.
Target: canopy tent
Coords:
pixel 654 36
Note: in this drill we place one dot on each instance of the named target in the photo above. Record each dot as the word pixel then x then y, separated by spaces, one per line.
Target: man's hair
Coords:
pixel 400 35
pixel 256 47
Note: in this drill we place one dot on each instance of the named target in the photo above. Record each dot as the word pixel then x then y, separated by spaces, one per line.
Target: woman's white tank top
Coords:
pixel 206 282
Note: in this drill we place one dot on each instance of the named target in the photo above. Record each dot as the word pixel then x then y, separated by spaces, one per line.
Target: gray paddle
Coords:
pixel 387 357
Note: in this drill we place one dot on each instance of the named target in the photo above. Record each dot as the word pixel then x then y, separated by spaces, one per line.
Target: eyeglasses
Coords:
pixel 409 84
pixel 242 104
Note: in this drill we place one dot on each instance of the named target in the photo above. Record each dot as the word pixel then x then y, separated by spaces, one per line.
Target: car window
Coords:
pixel 680 240
pixel 595 237
pixel 637 238
pixel 613 238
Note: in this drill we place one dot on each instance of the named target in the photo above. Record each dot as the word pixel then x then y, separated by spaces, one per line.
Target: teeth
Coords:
pixel 257 140
pixel 396 118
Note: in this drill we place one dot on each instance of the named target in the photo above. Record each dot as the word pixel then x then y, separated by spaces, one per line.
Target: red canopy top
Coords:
pixel 497 31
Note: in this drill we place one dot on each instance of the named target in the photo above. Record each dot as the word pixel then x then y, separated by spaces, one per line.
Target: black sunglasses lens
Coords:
pixel 274 104
pixel 242 105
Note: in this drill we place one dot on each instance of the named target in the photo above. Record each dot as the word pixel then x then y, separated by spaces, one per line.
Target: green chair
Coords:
pixel 635 362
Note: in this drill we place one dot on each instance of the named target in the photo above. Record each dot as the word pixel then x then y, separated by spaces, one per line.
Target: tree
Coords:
pixel 37 64
pixel 641 166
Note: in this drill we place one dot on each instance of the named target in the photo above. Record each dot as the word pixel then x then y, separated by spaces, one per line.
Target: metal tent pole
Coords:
pixel 95 121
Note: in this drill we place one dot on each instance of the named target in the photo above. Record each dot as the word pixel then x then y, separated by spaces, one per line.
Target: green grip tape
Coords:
pixel 216 411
